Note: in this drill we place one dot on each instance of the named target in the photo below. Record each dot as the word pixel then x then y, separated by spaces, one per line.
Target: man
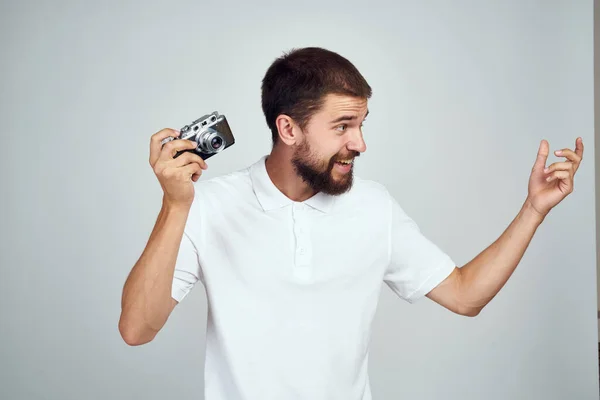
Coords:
pixel 293 249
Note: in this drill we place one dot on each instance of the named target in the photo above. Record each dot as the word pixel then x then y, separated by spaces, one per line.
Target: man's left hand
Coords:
pixel 549 186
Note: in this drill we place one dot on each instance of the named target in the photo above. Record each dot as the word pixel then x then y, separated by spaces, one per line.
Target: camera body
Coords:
pixel 211 133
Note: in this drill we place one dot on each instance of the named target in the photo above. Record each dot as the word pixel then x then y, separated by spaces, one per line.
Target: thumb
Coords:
pixel 542 156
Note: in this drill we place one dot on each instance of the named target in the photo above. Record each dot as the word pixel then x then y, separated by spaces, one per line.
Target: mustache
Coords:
pixel 353 154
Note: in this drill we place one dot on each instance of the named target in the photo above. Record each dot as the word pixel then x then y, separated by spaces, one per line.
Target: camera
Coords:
pixel 211 133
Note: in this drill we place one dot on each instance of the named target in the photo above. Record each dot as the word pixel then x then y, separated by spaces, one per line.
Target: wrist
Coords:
pixel 530 213
pixel 175 207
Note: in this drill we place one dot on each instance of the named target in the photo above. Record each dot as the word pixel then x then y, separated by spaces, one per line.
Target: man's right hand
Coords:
pixel 175 174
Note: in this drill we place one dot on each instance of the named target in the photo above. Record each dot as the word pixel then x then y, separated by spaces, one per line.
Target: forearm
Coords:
pixel 146 302
pixel 484 276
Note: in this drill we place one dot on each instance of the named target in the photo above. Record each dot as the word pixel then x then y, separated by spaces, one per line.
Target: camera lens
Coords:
pixel 216 142
pixel 210 141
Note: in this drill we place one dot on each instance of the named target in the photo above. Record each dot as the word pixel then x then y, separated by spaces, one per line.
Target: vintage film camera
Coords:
pixel 211 133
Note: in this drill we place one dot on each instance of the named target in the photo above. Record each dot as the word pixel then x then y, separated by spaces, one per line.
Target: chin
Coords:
pixel 341 185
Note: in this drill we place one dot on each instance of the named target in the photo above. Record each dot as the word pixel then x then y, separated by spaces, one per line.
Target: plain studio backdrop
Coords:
pixel 464 92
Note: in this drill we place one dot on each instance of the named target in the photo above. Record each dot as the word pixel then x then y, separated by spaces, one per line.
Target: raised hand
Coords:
pixel 548 186
pixel 175 174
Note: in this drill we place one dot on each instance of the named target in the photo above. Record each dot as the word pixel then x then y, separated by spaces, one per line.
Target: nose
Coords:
pixel 357 143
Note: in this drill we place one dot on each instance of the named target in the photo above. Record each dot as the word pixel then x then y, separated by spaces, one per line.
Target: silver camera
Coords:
pixel 211 133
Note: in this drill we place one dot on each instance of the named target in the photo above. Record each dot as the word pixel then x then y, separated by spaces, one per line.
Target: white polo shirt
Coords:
pixel 293 286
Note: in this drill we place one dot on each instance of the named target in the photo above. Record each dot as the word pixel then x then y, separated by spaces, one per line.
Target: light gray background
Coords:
pixel 463 93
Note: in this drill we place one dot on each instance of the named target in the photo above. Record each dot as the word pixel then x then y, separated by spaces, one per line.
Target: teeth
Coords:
pixel 345 161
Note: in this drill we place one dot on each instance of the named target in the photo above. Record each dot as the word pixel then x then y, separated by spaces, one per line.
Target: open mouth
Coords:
pixel 344 166
pixel 344 162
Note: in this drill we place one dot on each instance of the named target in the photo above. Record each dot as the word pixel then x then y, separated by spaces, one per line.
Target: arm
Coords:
pixel 469 289
pixel 147 303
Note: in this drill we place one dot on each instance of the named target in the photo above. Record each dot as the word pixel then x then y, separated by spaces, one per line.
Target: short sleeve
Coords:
pixel 187 269
pixel 416 265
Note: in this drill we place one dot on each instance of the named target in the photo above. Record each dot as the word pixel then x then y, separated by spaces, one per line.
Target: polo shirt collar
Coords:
pixel 271 198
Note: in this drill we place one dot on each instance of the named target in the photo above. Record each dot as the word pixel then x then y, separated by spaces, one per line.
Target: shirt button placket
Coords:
pixel 303 251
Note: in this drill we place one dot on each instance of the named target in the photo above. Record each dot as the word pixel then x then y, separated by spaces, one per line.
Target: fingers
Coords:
pixel 187 158
pixel 559 166
pixel 155 143
pixel 178 174
pixel 542 156
pixel 187 165
pixel 570 155
pixel 193 170
pixel 574 157
pixel 565 175
pixel 579 147
pixel 171 148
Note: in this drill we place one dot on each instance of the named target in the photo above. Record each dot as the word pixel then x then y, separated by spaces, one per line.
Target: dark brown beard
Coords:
pixel 320 179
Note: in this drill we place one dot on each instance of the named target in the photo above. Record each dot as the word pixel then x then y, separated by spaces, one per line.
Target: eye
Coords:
pixel 344 126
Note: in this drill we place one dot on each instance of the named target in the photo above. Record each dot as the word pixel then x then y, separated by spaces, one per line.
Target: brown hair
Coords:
pixel 297 82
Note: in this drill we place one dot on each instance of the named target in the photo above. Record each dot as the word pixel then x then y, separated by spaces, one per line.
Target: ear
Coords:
pixel 288 131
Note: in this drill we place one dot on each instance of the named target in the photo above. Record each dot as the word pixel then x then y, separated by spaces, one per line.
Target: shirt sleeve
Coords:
pixel 187 269
pixel 416 265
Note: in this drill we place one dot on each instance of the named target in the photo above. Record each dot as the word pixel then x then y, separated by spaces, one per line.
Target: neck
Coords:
pixel 281 171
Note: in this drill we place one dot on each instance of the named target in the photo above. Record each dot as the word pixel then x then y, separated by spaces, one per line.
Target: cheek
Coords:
pixel 329 153
pixel 327 149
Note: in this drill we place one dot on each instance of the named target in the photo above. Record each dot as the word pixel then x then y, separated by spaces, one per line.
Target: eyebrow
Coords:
pixel 346 118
